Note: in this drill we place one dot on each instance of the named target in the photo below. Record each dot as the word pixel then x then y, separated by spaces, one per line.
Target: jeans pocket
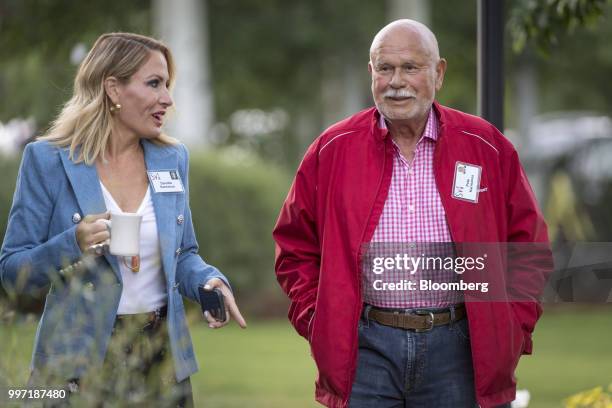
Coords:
pixel 361 323
pixel 461 329
pixel 364 321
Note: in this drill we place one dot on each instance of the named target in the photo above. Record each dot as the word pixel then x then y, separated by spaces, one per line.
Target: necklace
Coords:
pixel 134 261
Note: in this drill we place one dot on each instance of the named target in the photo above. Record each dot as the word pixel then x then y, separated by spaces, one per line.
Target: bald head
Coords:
pixel 406 71
pixel 404 33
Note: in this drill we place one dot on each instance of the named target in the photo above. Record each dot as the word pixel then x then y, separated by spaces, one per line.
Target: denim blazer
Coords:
pixel 40 248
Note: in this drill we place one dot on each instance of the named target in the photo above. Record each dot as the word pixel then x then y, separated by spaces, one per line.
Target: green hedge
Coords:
pixel 235 199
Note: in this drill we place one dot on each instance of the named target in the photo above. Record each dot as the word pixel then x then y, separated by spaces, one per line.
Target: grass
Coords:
pixel 572 353
pixel 268 365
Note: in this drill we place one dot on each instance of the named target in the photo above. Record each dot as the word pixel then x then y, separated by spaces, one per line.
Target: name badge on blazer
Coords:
pixel 466 183
pixel 166 181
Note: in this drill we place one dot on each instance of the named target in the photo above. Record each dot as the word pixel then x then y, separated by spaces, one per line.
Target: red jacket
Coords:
pixel 333 208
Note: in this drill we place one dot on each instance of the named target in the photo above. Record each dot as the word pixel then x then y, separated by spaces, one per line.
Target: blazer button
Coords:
pixel 89 286
pixel 180 219
pixel 76 218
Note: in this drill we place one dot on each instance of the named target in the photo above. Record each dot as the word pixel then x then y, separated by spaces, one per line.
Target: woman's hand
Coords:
pixel 230 305
pixel 89 232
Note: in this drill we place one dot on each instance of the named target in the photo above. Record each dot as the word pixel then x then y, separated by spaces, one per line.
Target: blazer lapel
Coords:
pixel 86 186
pixel 158 158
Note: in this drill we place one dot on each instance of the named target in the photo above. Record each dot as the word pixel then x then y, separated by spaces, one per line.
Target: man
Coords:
pixel 407 171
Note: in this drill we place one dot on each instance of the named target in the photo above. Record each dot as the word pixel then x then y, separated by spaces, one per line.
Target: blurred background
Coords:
pixel 257 81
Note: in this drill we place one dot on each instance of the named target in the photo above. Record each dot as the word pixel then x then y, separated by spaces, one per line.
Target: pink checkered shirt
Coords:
pixel 413 222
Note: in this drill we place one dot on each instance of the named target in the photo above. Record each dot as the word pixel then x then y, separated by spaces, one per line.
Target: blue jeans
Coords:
pixel 402 368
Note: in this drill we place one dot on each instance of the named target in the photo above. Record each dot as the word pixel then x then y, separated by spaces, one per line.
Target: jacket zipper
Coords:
pixel 436 178
pixel 359 277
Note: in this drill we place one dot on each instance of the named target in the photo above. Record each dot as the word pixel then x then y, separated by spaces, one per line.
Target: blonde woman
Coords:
pixel 101 156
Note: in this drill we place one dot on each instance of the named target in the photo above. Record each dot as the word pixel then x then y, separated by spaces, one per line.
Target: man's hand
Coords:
pixel 230 305
pixel 89 232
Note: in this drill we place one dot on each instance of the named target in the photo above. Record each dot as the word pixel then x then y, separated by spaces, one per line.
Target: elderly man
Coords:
pixel 405 171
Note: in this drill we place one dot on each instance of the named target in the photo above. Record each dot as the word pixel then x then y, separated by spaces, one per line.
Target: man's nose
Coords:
pixel 397 80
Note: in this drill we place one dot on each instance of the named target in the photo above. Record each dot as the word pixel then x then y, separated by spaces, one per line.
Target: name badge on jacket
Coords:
pixel 166 181
pixel 466 183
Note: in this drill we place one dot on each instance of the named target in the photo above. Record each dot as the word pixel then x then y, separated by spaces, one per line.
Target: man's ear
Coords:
pixel 111 87
pixel 370 68
pixel 440 71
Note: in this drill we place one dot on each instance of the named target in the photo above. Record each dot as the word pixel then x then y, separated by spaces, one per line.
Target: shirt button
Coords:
pixel 76 218
pixel 410 208
pixel 180 219
pixel 89 286
pixel 179 251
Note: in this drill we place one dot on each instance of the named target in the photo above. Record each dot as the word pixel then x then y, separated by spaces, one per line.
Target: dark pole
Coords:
pixel 491 61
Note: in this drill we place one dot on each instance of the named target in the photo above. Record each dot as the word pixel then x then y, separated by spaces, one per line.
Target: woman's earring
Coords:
pixel 115 108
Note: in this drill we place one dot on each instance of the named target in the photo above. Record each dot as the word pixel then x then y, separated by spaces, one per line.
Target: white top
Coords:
pixel 145 290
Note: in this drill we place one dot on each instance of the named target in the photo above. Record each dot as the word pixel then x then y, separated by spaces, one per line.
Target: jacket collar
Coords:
pixel 158 157
pixel 441 115
pixel 378 127
pixel 85 183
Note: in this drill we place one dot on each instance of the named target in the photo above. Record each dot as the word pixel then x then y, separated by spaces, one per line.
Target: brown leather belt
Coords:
pixel 419 320
pixel 148 320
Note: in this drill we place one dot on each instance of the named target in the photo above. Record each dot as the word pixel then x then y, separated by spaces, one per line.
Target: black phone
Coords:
pixel 212 302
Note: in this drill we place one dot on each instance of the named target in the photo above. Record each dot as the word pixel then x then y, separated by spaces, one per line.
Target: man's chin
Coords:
pixel 395 114
pixel 404 114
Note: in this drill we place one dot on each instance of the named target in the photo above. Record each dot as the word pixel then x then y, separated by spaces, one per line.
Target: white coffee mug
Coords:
pixel 124 229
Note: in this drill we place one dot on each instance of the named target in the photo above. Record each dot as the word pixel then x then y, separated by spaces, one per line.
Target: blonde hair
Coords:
pixel 85 120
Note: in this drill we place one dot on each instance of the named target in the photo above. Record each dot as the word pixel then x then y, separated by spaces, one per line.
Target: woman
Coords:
pixel 123 314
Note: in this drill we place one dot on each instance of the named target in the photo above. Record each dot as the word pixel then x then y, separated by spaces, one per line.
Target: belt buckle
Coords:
pixel 154 321
pixel 431 320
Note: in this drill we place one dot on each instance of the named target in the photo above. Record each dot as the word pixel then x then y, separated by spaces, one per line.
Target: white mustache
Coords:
pixel 398 93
